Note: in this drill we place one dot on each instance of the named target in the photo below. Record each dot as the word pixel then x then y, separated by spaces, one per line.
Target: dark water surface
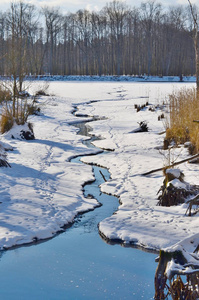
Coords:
pixel 78 264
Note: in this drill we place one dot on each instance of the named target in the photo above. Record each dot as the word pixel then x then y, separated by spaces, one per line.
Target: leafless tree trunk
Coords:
pixel 19 19
pixel 195 39
pixel 53 19
pixel 117 13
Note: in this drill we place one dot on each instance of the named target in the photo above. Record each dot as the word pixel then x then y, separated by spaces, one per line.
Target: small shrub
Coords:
pixel 173 195
pixel 42 91
pixel 21 112
pixel 138 108
pixel 5 94
pixel 33 110
pixel 143 126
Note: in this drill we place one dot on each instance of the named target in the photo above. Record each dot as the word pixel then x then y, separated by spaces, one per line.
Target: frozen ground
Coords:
pixel 42 191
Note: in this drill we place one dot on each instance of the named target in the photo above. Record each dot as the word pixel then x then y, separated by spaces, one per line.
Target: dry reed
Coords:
pixel 9 118
pixel 184 110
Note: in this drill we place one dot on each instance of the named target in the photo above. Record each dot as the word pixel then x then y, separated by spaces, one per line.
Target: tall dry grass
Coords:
pixel 184 110
pixel 15 108
pixel 7 119
pixel 19 116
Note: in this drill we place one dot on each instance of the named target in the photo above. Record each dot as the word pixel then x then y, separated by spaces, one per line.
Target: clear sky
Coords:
pixel 74 5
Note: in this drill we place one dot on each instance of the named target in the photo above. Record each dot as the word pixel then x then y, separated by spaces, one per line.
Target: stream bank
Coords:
pixel 78 264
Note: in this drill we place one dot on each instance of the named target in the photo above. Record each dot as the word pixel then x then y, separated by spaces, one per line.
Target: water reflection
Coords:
pixel 78 264
pixel 1 254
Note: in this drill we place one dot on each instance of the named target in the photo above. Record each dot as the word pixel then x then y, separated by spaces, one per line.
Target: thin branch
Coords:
pixel 193 15
pixel 102 175
pixel 172 165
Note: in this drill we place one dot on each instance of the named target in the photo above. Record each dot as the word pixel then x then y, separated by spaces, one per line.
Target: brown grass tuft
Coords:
pixel 7 120
pixel 184 109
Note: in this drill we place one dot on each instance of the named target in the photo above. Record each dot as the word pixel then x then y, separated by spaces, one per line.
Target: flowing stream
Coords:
pixel 78 264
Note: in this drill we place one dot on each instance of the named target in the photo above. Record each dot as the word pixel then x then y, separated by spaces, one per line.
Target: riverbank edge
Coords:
pixel 112 78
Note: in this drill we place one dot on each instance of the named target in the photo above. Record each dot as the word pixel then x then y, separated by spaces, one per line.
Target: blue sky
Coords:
pixel 74 5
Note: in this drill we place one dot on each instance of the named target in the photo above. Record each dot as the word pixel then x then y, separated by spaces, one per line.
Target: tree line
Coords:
pixel 117 40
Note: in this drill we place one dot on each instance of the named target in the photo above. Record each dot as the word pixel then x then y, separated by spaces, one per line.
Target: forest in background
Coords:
pixel 117 40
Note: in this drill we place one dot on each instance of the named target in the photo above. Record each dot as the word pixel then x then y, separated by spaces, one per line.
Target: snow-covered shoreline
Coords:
pixel 111 78
pixel 138 220
pixel 120 78
pixel 42 191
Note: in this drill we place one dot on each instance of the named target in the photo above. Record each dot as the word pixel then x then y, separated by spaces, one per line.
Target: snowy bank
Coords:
pixel 138 220
pixel 189 249
pixel 42 191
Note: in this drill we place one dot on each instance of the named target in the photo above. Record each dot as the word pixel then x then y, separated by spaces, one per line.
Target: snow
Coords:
pixel 187 247
pixel 16 131
pixel 42 191
pixel 175 172
pixel 178 184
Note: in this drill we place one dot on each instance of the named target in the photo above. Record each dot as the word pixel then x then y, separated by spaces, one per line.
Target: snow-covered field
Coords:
pixel 42 191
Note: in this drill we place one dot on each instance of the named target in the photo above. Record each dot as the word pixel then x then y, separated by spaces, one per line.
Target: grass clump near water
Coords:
pixel 7 120
pixel 184 114
pixel 19 117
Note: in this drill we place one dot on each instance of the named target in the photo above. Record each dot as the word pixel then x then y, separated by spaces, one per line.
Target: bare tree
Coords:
pixel 194 14
pixel 117 13
pixel 117 40
pixel 150 14
pixel 16 58
pixel 53 20
pixel 18 20
pixel 2 42
pixel 83 26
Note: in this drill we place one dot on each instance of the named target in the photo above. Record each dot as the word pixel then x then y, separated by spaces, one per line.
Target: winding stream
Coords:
pixel 78 264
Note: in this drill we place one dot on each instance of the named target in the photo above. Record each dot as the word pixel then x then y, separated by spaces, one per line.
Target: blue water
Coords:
pixel 78 264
